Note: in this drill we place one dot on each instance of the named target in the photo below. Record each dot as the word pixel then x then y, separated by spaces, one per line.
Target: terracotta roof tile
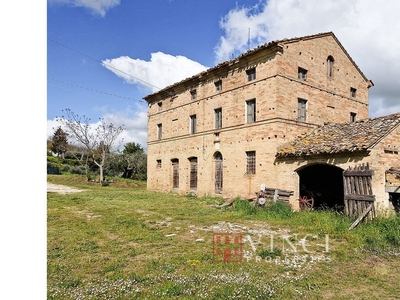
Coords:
pixel 339 138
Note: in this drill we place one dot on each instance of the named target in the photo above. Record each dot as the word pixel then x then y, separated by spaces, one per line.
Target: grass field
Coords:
pixel 123 242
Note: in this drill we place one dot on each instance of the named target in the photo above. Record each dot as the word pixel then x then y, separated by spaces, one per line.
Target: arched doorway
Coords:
pixel 326 184
pixel 218 172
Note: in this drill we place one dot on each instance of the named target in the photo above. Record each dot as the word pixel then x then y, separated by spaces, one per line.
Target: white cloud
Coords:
pixel 133 121
pixel 97 7
pixel 162 69
pixel 367 30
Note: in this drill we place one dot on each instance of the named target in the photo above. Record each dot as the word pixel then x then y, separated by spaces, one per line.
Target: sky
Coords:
pixel 104 56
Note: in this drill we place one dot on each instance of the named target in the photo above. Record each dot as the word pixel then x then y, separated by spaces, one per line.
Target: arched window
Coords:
pixel 218 161
pixel 329 63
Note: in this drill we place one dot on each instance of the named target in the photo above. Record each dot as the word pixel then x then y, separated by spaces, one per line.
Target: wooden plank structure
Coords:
pixel 275 195
pixel 359 202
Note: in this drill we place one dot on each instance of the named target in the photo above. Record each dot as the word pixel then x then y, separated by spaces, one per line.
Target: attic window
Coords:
pixel 302 74
pixel 329 63
pixel 218 85
pixel 159 104
pixel 353 92
pixel 251 74
pixel 193 94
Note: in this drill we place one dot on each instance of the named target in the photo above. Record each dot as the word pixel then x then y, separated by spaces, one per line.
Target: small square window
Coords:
pixel 302 74
pixel 353 117
pixel 251 74
pixel 353 92
pixel 193 94
pixel 218 85
pixel 158 163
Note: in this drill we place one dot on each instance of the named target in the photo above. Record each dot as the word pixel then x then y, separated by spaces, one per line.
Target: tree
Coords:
pixel 132 147
pixel 97 141
pixel 59 142
pixel 132 163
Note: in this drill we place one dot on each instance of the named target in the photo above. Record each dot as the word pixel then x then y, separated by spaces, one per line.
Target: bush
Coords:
pixel 80 170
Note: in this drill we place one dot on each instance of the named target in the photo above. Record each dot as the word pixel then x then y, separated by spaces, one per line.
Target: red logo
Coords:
pixel 227 247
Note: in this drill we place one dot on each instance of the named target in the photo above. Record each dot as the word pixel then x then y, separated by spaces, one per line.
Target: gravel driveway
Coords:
pixel 61 189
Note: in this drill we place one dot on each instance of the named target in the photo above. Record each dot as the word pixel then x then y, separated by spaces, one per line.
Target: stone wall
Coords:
pixel 276 90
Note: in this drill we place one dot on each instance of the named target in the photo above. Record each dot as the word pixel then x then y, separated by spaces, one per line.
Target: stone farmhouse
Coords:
pixel 230 129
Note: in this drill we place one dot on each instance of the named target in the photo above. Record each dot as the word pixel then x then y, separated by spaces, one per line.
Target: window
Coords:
pixel 302 110
pixel 175 173
pixel 159 131
pixel 353 92
pixel 353 117
pixel 159 106
pixel 302 73
pixel 158 163
pixel 329 63
pixel 193 122
pixel 251 111
pixel 219 172
pixel 193 174
pixel 251 74
pixel 218 85
pixel 218 118
pixel 251 162
pixel 193 94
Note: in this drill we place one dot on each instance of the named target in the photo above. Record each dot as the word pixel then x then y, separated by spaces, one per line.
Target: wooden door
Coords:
pixel 358 198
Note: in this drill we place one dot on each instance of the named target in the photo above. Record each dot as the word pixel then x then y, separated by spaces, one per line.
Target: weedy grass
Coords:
pixel 123 242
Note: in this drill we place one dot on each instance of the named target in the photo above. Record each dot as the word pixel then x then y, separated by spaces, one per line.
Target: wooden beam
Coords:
pixel 359 197
pixel 358 173
pixel 362 216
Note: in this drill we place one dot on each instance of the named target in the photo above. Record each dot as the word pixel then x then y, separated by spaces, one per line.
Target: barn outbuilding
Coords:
pixel 347 166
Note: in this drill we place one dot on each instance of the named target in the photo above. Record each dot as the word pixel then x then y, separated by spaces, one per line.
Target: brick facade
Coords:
pixel 276 90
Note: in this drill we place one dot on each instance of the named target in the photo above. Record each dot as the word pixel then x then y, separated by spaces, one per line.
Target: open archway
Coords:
pixel 326 184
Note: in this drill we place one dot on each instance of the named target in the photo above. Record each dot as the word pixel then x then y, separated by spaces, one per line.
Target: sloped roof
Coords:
pixel 262 47
pixel 394 170
pixel 341 138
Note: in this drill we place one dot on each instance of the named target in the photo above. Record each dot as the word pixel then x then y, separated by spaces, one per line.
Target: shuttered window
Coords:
pixel 175 173
pixel 218 118
pixel 193 124
pixel 193 174
pixel 251 111
pixel 302 110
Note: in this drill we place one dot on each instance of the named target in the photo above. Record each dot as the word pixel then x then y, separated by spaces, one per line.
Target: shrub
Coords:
pixel 80 170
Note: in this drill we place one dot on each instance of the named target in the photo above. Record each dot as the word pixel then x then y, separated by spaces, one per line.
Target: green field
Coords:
pixel 123 242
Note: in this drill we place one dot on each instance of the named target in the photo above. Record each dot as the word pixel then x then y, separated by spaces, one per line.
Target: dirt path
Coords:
pixel 61 189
